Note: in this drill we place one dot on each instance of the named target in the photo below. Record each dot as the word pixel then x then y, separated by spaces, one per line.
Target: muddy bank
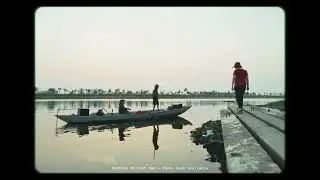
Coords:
pixel 280 105
pixel 209 135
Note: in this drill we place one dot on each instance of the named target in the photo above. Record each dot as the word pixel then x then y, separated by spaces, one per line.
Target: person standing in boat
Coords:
pixel 155 97
pixel 122 109
pixel 240 82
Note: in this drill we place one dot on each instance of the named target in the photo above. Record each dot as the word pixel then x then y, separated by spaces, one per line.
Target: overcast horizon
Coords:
pixel 134 48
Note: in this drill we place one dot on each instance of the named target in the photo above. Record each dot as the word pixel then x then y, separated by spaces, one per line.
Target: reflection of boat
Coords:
pixel 85 128
pixel 83 115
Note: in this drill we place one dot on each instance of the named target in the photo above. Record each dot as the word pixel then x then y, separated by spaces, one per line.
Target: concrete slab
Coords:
pixel 243 153
pixel 273 112
pixel 270 139
pixel 267 118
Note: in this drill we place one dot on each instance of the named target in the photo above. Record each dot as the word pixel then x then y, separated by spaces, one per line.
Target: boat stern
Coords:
pixel 185 108
pixel 64 118
pixel 188 107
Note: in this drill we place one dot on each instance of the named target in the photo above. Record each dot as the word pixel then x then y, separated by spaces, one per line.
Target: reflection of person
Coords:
pixel 155 137
pixel 240 81
pixel 122 109
pixel 155 96
pixel 121 135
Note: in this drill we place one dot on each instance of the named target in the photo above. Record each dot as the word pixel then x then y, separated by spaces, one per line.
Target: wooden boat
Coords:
pixel 82 129
pixel 83 115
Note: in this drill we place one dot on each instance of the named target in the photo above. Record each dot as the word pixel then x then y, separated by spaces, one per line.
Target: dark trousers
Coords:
pixel 239 91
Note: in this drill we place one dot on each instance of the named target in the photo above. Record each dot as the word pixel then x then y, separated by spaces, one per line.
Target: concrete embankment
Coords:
pixel 267 130
pixel 243 153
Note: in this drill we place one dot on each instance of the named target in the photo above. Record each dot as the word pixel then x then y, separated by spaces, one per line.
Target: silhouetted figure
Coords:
pixel 155 97
pixel 122 109
pixel 121 135
pixel 240 81
pixel 155 137
pixel 82 130
pixel 100 112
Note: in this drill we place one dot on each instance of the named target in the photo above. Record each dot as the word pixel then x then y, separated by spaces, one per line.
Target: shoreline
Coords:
pixel 48 97
pixel 279 105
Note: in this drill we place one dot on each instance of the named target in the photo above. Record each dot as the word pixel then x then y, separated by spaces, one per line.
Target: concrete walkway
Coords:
pixel 243 153
pixel 270 138
pixel 267 118
pixel 273 112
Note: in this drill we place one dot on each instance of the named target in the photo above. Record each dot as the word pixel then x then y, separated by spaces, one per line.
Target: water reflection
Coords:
pixel 210 136
pixel 84 129
pixel 52 105
pixel 101 147
pixel 155 137
pixel 121 133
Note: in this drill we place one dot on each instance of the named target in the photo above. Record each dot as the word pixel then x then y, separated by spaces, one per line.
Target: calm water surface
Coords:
pixel 108 152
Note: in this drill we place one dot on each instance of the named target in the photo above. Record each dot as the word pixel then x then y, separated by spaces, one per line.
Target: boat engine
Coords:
pixel 83 112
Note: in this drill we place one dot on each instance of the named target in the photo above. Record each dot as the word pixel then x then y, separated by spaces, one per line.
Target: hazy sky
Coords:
pixel 176 47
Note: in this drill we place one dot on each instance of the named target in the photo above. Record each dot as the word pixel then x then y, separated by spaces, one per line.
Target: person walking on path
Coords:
pixel 240 82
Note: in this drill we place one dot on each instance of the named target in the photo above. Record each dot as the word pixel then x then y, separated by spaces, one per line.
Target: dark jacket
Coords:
pixel 155 94
pixel 122 109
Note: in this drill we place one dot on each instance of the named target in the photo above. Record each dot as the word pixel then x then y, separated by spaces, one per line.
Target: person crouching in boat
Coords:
pixel 122 109
pixel 100 112
pixel 155 97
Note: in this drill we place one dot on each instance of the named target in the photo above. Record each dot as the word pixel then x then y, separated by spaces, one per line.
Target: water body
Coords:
pixel 123 149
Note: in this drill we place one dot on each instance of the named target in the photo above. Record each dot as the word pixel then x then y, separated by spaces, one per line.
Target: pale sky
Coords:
pixel 176 47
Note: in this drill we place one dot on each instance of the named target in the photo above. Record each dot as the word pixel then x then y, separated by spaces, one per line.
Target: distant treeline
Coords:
pixel 61 93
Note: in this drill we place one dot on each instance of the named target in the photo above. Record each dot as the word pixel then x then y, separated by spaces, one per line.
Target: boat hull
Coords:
pixel 112 118
pixel 69 128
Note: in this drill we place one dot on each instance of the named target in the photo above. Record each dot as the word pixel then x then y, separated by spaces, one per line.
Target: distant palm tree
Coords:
pixel 109 91
pixel 100 91
pixel 178 92
pixel 95 91
pixel 65 90
pixel 81 91
pixel 185 90
pixel 52 90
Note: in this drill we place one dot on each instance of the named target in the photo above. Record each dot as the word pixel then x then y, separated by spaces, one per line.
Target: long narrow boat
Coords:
pixel 83 115
pixel 177 123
